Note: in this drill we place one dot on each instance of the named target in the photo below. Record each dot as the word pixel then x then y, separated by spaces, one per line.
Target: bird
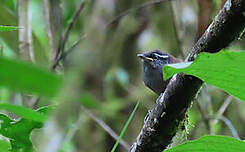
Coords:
pixel 153 61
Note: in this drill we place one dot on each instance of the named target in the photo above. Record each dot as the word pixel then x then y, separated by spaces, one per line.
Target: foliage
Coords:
pixel 211 144
pixel 20 76
pixel 223 70
pixel 18 132
pixel 103 74
pixel 8 28
pixel 24 112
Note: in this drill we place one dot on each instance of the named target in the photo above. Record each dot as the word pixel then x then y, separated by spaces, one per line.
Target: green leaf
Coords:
pixel 8 28
pixel 125 128
pixel 19 132
pixel 24 77
pixel 4 145
pixel 211 144
pixel 24 112
pixel 224 70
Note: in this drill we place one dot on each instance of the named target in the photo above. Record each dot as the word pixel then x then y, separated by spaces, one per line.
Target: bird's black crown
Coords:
pixel 156 54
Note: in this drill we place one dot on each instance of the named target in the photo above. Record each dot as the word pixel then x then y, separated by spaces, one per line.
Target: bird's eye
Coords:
pixel 154 55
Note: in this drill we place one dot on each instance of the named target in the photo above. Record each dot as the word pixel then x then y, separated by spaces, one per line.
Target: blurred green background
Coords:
pixel 103 71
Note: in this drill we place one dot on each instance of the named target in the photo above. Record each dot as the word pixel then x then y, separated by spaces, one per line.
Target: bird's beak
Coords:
pixel 142 56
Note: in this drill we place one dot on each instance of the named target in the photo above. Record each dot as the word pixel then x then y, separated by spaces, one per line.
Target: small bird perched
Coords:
pixel 153 61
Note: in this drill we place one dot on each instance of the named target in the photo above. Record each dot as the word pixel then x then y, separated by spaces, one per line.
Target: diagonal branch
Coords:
pixel 60 53
pixel 171 106
pixel 106 128
pixel 229 125
pixel 68 29
pixel 65 53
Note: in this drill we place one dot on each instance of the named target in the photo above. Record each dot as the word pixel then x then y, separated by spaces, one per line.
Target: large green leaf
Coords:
pixel 224 70
pixel 24 77
pixel 211 144
pixel 24 112
pixel 18 132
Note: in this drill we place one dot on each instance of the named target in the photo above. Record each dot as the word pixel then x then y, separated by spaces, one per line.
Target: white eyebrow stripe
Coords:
pixel 161 56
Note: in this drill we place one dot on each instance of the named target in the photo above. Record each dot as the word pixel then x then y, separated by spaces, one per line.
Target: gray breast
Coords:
pixel 153 79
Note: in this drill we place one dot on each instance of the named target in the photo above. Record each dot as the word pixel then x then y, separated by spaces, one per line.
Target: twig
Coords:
pixel 225 105
pixel 68 29
pixel 61 54
pixel 35 102
pixel 65 53
pixel 229 125
pixel 106 128
pixel 51 41
pixel 144 5
pixel 222 109
pixel 175 28
pixel 48 26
